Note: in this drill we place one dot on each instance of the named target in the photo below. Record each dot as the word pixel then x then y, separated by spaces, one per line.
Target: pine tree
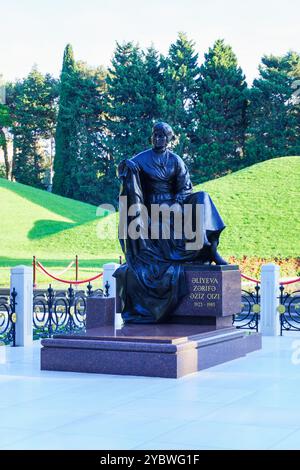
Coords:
pixel 81 161
pixel 133 102
pixel 133 105
pixel 90 164
pixel 180 75
pixel 273 114
pixel 219 114
pixel 153 81
pixel 65 136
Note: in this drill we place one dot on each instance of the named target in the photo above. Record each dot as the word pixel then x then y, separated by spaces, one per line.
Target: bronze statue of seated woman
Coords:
pixel 160 230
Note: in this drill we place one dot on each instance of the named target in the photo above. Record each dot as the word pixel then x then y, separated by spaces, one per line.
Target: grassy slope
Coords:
pixel 259 204
pixel 35 222
pixel 47 225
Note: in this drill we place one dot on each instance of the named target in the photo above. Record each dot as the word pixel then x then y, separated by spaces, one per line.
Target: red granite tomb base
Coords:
pixel 167 350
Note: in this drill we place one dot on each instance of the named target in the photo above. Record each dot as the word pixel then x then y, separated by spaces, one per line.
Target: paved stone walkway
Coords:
pixel 249 403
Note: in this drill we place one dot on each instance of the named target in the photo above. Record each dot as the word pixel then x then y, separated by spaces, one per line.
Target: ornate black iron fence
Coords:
pixel 248 318
pixel 8 318
pixel 289 309
pixel 61 311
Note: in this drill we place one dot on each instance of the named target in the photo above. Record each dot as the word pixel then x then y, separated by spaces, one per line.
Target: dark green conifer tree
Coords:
pixel 219 114
pixel 133 82
pixel 133 103
pixel 65 136
pixel 274 111
pixel 180 75
pixel 90 165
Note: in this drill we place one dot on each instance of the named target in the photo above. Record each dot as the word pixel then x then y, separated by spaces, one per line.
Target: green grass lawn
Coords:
pixel 53 228
pixel 260 206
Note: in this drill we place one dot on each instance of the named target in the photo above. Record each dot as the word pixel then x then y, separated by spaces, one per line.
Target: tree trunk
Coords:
pixel 4 148
pixel 13 163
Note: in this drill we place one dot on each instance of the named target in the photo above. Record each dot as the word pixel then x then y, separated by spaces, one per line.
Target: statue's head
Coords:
pixel 162 134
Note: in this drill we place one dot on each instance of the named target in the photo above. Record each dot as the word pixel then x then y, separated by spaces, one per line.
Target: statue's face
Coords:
pixel 159 140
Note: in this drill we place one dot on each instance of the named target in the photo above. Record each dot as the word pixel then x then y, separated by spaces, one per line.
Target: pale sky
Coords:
pixel 36 31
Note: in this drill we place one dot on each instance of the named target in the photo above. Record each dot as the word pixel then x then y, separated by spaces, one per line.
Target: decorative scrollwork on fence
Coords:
pixel 40 316
pixel 60 314
pixel 61 311
pixel 289 310
pixel 248 318
pixel 8 318
pixel 79 316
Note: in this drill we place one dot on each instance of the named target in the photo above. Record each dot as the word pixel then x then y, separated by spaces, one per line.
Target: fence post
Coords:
pixel 269 321
pixel 76 268
pixel 108 270
pixel 22 280
pixel 34 271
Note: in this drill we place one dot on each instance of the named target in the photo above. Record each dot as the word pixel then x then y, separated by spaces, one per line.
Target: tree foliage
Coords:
pixel 81 159
pixel 180 72
pixel 65 135
pixel 219 114
pixel 133 102
pixel 274 111
pixel 32 104
pixel 100 117
pixel 5 124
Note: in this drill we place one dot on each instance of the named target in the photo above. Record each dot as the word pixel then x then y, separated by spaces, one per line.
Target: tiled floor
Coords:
pixel 249 403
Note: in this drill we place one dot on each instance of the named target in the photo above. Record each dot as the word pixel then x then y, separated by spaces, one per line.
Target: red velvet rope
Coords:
pixel 250 279
pixel 284 283
pixel 292 281
pixel 65 280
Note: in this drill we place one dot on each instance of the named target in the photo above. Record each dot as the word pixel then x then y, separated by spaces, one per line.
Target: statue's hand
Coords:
pixel 132 165
pixel 179 198
pixel 123 165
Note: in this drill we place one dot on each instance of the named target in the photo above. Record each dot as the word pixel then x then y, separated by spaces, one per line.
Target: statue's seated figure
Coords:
pixel 157 242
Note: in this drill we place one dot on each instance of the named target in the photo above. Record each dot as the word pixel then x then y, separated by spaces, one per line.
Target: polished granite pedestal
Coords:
pixel 166 350
pixel 197 335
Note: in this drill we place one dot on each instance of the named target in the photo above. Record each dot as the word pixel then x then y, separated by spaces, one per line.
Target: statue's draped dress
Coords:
pixel 152 281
